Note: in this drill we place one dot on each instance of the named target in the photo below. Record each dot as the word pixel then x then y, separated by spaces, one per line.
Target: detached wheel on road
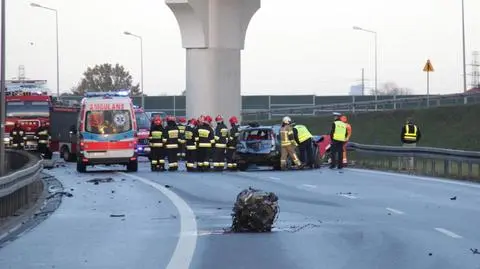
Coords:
pixel 81 167
pixel 132 166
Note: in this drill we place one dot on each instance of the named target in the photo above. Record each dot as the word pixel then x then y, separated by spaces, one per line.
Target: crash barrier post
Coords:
pixel 438 162
pixel 21 185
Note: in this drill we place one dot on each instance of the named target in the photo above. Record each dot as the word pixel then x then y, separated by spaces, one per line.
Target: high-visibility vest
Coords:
pixel 410 136
pixel 340 133
pixel 303 133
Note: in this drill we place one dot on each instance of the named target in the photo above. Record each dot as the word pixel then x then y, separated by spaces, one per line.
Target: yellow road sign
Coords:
pixel 428 67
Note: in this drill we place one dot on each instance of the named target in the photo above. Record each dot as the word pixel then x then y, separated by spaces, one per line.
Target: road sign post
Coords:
pixel 428 68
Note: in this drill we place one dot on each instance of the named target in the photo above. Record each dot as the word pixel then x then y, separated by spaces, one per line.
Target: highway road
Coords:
pixel 356 219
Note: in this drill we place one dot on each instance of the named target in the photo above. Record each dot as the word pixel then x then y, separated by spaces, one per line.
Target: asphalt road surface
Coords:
pixel 356 219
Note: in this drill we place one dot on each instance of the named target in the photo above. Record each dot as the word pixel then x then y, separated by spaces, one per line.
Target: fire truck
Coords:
pixel 28 103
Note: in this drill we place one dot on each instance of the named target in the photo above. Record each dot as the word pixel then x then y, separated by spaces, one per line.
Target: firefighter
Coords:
pixel 206 139
pixel 303 137
pixel 210 151
pixel 157 151
pixel 344 119
pixel 17 136
pixel 221 140
pixel 232 143
pixel 287 142
pixel 43 136
pixel 182 124
pixel 338 136
pixel 191 139
pixel 172 135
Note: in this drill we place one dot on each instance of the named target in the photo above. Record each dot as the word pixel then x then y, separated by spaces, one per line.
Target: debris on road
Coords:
pixel 294 228
pixel 453 198
pixel 430 254
pixel 97 181
pixel 254 211
pixel 113 191
pixel 117 215
pixel 168 186
pixel 61 193
pixel 475 251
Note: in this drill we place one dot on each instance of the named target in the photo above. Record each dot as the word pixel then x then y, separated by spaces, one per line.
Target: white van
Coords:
pixel 107 131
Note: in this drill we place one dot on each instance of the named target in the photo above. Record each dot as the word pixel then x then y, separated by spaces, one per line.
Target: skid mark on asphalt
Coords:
pixel 183 254
pixel 395 211
pixel 448 233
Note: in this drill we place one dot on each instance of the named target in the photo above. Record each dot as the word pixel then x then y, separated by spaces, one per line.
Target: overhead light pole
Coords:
pixel 2 91
pixel 376 61
pixel 464 57
pixel 141 64
pixel 56 34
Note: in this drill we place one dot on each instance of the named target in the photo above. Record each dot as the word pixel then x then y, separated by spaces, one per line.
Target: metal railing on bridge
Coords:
pixel 437 162
pixel 364 106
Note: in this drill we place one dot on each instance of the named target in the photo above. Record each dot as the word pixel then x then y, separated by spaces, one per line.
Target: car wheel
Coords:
pixel 242 166
pixel 132 166
pixel 81 167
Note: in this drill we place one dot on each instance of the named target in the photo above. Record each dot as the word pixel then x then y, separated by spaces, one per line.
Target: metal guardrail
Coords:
pixel 367 106
pixel 424 160
pixel 23 169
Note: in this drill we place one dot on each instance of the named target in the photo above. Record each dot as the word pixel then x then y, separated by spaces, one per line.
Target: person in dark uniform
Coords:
pixel 191 139
pixel 206 139
pixel 17 134
pixel 232 143
pixel 182 124
pixel 43 136
pixel 221 140
pixel 157 151
pixel 172 135
pixel 338 136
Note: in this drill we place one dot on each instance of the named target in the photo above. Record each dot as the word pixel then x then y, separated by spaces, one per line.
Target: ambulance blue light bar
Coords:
pixel 106 94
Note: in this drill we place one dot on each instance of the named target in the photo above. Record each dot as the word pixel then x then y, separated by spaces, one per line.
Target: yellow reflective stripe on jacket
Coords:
pixel 156 145
pixel 203 133
pixel 303 133
pixel 221 146
pixel 340 133
pixel 191 147
pixel 172 146
pixel 157 134
pixel 188 135
pixel 410 136
pixel 173 134
pixel 204 145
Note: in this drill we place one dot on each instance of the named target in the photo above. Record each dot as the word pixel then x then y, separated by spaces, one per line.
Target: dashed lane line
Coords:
pixel 395 211
pixel 448 233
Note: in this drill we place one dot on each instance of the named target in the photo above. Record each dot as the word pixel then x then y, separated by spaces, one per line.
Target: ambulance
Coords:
pixel 107 131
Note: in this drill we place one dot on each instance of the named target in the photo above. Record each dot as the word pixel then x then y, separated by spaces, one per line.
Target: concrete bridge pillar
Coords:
pixel 213 34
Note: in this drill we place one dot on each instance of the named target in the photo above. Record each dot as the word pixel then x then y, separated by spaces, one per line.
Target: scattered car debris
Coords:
pixel 113 191
pixel 389 213
pixel 219 208
pixel 117 215
pixel 61 193
pixel 475 251
pixel 254 211
pixel 71 189
pixel 159 202
pixel 168 186
pixel 294 228
pixel 123 179
pixel 97 181
pixel 453 198
pixel 430 254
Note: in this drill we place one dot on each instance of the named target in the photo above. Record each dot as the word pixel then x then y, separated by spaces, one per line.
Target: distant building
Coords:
pixel 356 90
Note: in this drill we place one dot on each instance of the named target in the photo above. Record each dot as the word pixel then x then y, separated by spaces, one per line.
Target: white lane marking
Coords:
pixel 444 181
pixel 309 186
pixel 274 178
pixel 349 196
pixel 448 233
pixel 16 227
pixel 395 211
pixel 187 241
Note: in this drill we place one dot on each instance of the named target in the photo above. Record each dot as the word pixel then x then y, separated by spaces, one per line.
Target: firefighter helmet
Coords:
pixel 219 118
pixel 287 120
pixel 208 119
pixel 233 120
pixel 192 122
pixel 182 120
pixel 171 118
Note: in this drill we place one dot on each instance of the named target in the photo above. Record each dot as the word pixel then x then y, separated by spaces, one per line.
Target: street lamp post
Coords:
pixel 376 61
pixel 2 92
pixel 56 37
pixel 464 57
pixel 141 64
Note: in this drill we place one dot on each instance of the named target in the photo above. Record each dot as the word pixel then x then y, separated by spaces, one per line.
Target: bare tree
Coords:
pixel 391 88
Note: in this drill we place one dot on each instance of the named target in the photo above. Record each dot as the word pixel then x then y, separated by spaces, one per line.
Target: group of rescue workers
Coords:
pixel 195 141
pixel 19 139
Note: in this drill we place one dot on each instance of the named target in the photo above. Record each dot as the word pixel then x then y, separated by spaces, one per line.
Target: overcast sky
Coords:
pixel 292 47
